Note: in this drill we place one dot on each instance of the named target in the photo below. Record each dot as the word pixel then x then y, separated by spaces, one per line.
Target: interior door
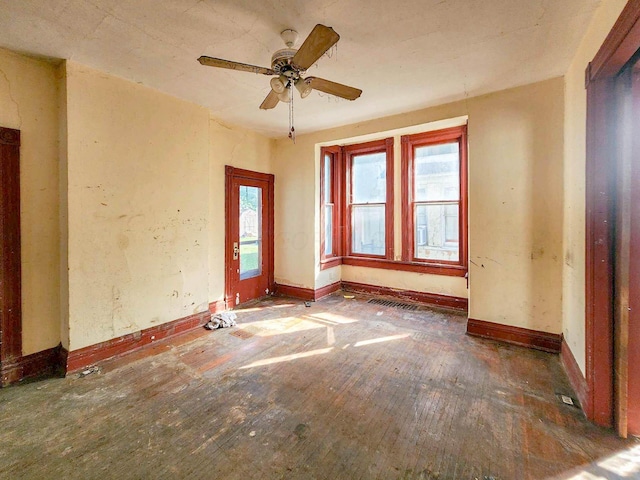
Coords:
pixel 633 414
pixel 10 275
pixel 627 250
pixel 249 235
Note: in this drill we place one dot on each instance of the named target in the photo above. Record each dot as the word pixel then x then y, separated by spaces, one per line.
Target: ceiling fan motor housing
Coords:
pixel 281 63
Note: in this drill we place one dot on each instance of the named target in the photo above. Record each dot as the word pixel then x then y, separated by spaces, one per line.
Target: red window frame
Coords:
pixel 349 152
pixel 409 144
pixel 334 258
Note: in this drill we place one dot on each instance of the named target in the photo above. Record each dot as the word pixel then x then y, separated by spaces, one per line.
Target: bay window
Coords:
pixel 357 204
pixel 330 207
pixel 369 199
pixel 434 217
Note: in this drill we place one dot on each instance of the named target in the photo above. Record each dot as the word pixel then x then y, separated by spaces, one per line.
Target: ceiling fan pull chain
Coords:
pixel 292 130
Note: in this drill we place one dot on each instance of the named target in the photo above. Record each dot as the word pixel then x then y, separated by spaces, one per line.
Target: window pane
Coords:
pixel 436 235
pixel 328 229
pixel 437 172
pixel 452 224
pixel 250 232
pixel 369 178
pixel 367 229
pixel 327 179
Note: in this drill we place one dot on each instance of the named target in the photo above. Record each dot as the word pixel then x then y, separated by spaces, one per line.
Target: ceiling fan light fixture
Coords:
pixel 279 84
pixel 304 88
pixel 285 95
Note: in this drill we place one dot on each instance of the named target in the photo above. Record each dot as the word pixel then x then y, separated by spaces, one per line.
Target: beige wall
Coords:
pixel 28 102
pixel 573 291
pixel 138 216
pixel 124 186
pixel 515 206
pixel 242 149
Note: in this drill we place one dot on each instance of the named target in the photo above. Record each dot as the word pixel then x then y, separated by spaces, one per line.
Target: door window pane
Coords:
pixel 369 178
pixel 437 172
pixel 436 234
pixel 367 229
pixel 250 232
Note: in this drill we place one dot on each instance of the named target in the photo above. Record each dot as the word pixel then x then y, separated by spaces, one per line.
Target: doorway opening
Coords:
pixel 613 228
pixel 249 235
pixel 10 266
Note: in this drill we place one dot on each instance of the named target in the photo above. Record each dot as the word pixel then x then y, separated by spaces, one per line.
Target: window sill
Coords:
pixel 330 263
pixel 435 269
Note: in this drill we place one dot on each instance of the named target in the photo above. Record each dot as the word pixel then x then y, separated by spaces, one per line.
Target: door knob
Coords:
pixel 236 250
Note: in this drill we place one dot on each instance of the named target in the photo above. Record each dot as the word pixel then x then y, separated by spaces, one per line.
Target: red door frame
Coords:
pixel 618 48
pixel 232 173
pixel 10 263
pixel 633 406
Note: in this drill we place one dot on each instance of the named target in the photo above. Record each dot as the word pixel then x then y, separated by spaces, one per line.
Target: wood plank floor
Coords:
pixel 343 389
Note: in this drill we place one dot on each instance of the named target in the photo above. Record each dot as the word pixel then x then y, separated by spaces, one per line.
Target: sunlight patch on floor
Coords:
pixel 321 351
pixel 381 339
pixel 622 465
pixel 626 463
pixel 331 318
pixel 287 358
pixel 278 326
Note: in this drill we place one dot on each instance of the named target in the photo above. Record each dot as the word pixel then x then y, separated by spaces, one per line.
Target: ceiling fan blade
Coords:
pixel 333 88
pixel 270 102
pixel 319 41
pixel 243 67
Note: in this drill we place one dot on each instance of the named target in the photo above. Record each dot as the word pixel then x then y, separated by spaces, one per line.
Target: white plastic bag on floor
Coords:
pixel 222 320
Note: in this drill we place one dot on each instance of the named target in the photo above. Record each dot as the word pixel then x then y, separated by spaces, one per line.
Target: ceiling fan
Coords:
pixel 288 66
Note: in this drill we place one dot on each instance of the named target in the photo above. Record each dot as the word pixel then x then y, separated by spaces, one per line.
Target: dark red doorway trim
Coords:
pixel 618 48
pixel 10 268
pixel 230 174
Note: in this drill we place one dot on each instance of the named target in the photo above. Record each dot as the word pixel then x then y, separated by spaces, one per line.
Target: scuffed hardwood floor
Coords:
pixel 343 389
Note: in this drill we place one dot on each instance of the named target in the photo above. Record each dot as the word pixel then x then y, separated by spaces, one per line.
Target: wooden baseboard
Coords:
pixel 576 378
pixel 217 306
pixel 457 303
pixel 46 363
pixel 548 342
pixel 326 290
pixel 309 294
pixel 83 357
pixel 302 293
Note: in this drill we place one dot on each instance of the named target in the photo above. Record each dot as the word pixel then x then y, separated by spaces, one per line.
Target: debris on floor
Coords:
pixel 349 297
pixel 307 304
pixel 89 371
pixel 301 430
pixel 567 400
pixel 221 320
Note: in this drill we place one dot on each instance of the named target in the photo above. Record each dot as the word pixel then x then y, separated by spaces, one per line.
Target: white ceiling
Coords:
pixel 404 55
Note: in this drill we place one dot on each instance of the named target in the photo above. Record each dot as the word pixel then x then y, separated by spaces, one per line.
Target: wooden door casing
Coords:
pixel 234 178
pixel 633 346
pixel 10 263
pixel 622 43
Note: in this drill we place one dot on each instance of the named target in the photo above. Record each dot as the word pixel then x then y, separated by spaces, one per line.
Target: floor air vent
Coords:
pixel 388 303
